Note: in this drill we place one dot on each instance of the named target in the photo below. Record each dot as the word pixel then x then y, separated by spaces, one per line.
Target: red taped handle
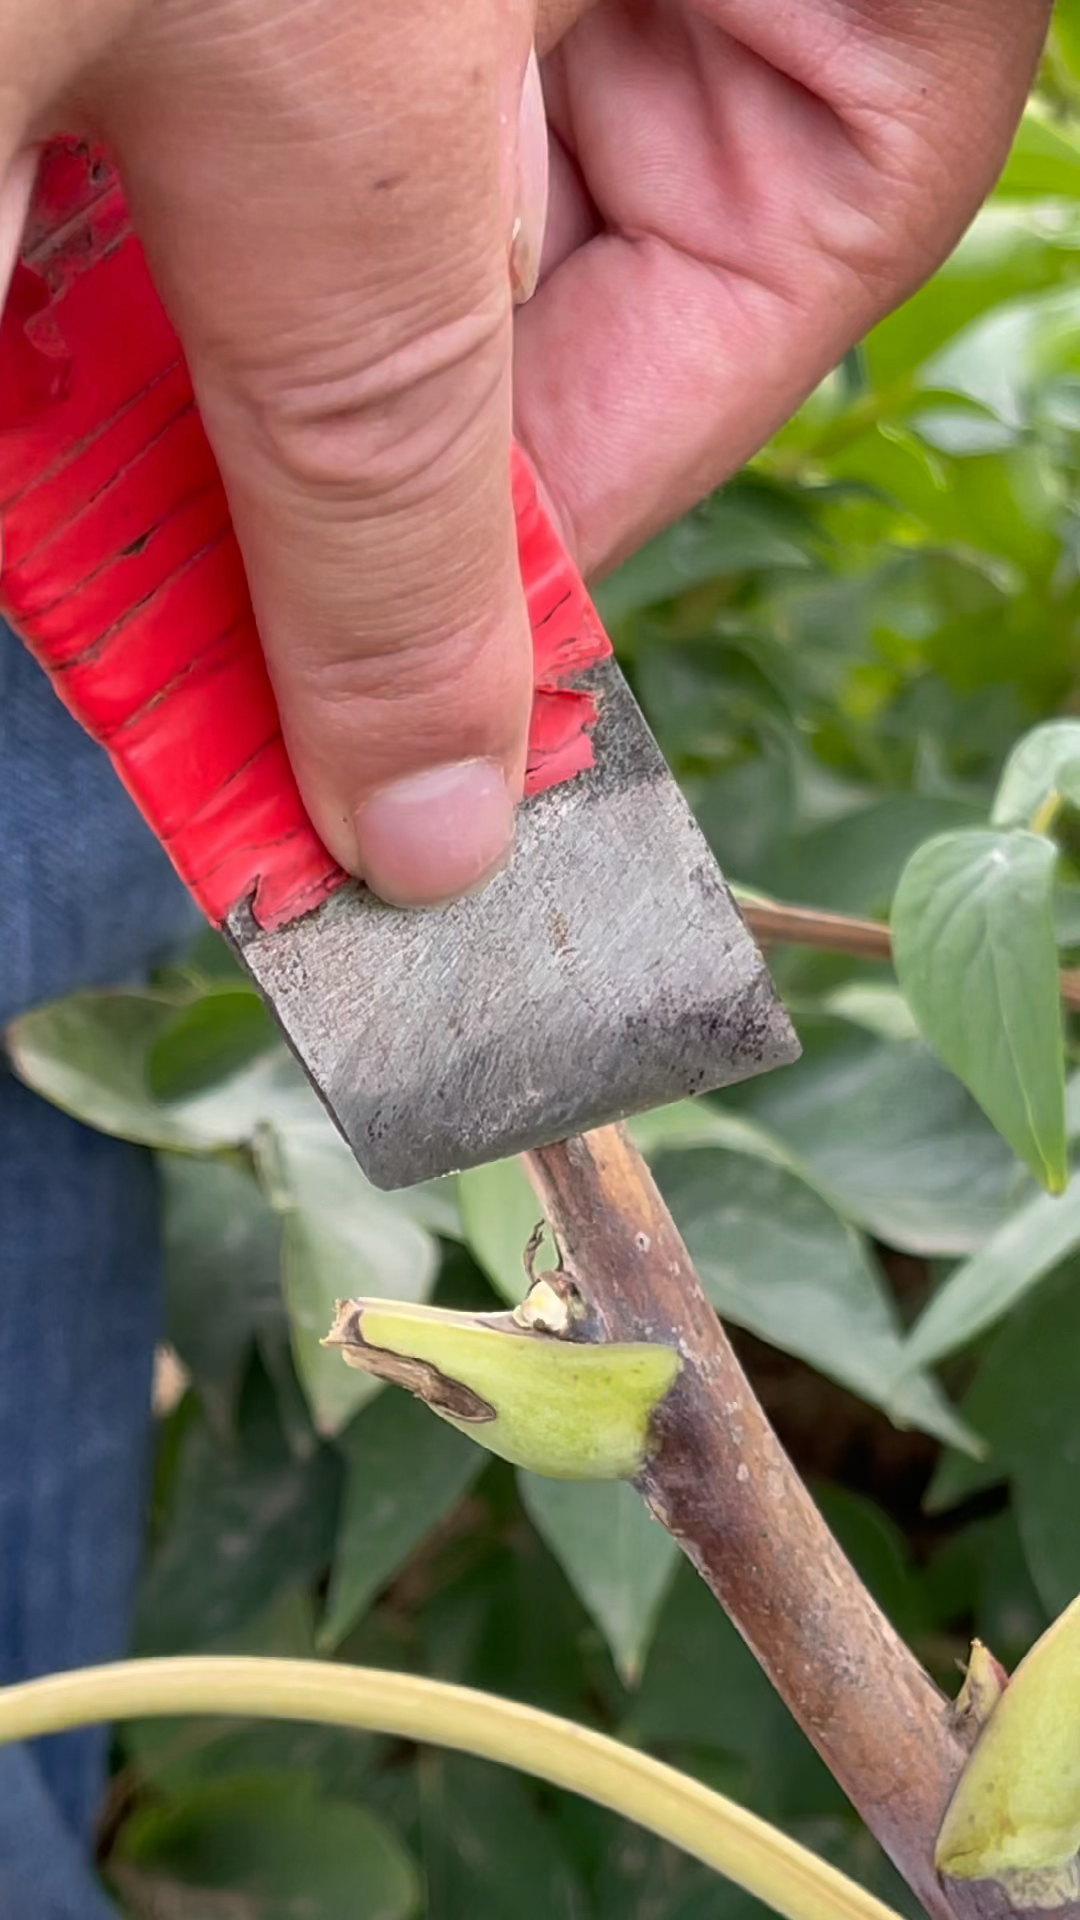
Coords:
pixel 121 571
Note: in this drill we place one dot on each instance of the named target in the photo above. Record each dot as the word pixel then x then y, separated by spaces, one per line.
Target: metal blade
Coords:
pixel 606 971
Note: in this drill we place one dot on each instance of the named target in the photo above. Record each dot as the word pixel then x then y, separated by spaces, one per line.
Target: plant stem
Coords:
pixel 768 1864
pixel 721 1484
pixel 780 925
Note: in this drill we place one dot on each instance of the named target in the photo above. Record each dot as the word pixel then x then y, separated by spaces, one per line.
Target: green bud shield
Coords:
pixel 566 1408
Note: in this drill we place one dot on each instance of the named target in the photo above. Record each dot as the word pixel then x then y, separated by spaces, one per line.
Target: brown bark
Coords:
pixel 724 1488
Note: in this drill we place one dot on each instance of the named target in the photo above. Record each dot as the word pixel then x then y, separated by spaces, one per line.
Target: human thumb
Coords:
pixel 329 196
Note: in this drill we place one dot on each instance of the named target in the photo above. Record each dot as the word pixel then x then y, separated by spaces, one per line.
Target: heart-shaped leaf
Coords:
pixel 973 938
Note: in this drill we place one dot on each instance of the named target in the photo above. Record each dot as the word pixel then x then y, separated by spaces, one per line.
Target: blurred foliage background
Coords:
pixel 837 652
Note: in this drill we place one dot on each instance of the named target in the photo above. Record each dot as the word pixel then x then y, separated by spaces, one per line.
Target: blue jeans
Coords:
pixel 86 898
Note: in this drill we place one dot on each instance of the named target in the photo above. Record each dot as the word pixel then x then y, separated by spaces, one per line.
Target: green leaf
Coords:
pixel 1065 38
pixel 775 1258
pixel 702 1685
pixel 1044 764
pixel 896 1143
pixel 499 1211
pixel 748 808
pixel 491 1850
pixel 1011 249
pixel 616 1556
pixel 880 1554
pixel 640 1875
pixel 222 1246
pixel 406 1472
pixel 208 1042
pixel 1005 357
pixel 192 1073
pixel 269 1091
pixel 973 939
pixel 246 1522
pixel 174 1754
pixel 698 1123
pixel 1025 1404
pixel 265 1848
pixel 980 1291
pixel 738 530
pixel 703 699
pixel 981 1575
pixel 852 865
pixel 91 1054
pixel 341 1238
pixel 1045 158
pixel 875 1006
pixel 88 1054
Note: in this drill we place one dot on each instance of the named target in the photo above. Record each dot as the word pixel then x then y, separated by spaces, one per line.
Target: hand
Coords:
pixel 328 195
pixel 739 190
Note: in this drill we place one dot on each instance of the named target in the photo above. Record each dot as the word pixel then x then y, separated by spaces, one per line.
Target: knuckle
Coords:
pixel 366 433
pixel 449 686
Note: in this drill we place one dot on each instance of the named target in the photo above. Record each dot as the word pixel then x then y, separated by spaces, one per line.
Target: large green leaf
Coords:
pixel 876 1006
pixel 172 1755
pixel 270 1847
pixel 493 1609
pixel 1025 1403
pixel 193 1072
pixel 775 1258
pixel 700 1123
pixel 89 1054
pixel 893 1139
pixel 491 1849
pixel 500 1211
pixel 617 1557
pixel 406 1471
pixel 1003 358
pixel 209 1041
pixel 269 1091
pixel 974 944
pixel 880 1554
pixel 1045 157
pixel 342 1239
pixel 222 1271
pixel 702 1686
pixel 93 1054
pixel 852 865
pixel 980 1291
pixel 1010 249
pixel 246 1522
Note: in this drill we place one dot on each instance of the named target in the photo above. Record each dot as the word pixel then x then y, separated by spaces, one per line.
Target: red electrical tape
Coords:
pixel 121 571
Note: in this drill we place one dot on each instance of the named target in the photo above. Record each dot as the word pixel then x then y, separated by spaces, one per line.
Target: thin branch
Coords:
pixel 787 1876
pixel 722 1485
pixel 778 925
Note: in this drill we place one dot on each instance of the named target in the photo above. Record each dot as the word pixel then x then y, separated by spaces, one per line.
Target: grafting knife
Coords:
pixel 605 971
